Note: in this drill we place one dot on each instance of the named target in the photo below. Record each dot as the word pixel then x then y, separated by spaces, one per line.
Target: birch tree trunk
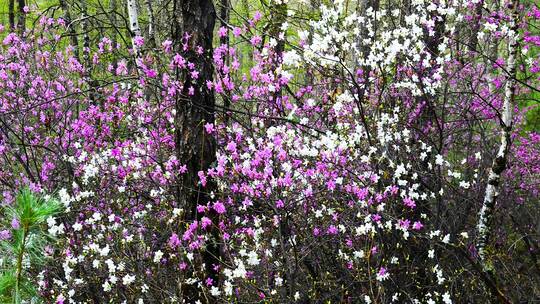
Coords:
pixel 134 28
pixel 499 163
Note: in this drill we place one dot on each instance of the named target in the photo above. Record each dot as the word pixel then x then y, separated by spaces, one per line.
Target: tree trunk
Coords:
pixel 476 26
pixel 194 147
pixel 71 28
pixel 11 15
pixel 135 30
pixel 114 22
pixel 152 41
pixel 22 17
pixel 499 163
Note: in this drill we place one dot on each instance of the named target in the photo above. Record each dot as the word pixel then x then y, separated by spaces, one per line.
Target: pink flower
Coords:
pixel 417 225
pixel 219 207
pixel 151 73
pixel 222 32
pixel 138 40
pixel 332 230
pixel 4 235
pixel 15 224
pixel 257 16
pixel 256 40
pixel 202 178
pixel 209 128
pixel 404 224
pixel 174 241
pixel 231 146
pixel 237 31
pixel 205 222
pixel 166 45
pixel 409 202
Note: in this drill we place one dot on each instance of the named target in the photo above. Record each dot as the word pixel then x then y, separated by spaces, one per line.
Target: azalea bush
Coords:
pixel 363 154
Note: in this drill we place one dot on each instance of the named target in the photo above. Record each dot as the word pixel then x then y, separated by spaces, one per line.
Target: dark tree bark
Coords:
pixel 71 29
pixel 22 17
pixel 476 26
pixel 194 147
pixel 11 15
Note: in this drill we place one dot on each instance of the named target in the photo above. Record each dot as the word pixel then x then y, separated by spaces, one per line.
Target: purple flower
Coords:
pixel 257 16
pixel 222 31
pixel 166 45
pixel 256 40
pixel 409 202
pixel 15 224
pixel 138 40
pixel 209 128
pixel 417 225
pixel 219 207
pixel 237 31
pixel 332 230
pixel 174 241
pixel 205 222
pixel 5 235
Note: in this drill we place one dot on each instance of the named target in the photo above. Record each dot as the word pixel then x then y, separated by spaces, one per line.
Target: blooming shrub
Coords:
pixel 346 170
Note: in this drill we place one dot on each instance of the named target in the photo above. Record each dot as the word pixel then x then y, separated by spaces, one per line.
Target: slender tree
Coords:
pixel 22 16
pixel 499 163
pixel 194 147
pixel 11 14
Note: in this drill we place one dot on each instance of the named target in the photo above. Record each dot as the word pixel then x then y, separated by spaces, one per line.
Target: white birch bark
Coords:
pixel 134 23
pixel 499 163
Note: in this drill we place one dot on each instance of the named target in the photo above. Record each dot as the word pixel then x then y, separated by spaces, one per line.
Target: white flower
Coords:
pixel 253 258
pixel 291 58
pixel 77 226
pixel 128 279
pixel 240 271
pixel 106 286
pixel 104 251
pixel 358 254
pixel 144 288
pixel 228 288
pixel 214 291
pixel 157 256
pixel 446 239
pixel 64 197
pixel 110 265
pixel 446 298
